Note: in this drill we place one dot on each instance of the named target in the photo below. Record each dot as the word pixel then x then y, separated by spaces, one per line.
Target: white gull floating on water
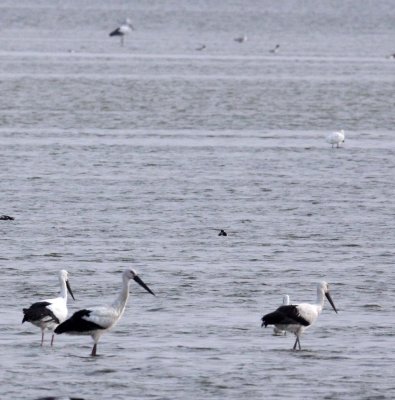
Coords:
pixel 297 318
pixel 97 320
pixel 49 313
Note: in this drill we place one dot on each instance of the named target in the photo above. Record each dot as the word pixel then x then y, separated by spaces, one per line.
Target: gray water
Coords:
pixel 136 156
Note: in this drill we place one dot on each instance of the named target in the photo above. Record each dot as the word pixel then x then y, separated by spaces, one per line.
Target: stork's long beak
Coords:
pixel 328 296
pixel 69 289
pixel 142 284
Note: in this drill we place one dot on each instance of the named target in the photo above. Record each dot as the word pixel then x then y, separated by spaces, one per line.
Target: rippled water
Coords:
pixel 135 157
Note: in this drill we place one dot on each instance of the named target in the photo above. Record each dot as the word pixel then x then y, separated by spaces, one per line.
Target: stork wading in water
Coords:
pixel 97 320
pixel 123 30
pixel 336 138
pixel 297 318
pixel 49 313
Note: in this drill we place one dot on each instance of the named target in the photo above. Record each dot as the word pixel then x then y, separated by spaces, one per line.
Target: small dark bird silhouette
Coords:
pixel 222 233
pixel 6 218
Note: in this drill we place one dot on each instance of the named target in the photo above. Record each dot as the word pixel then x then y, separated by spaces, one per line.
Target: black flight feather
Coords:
pixel 116 32
pixel 38 311
pixel 76 323
pixel 284 315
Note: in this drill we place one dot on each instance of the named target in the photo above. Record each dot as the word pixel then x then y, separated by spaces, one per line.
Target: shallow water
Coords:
pixel 135 157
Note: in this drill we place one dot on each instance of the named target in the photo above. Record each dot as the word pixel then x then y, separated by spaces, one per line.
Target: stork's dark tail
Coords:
pixel 116 32
pixel 272 318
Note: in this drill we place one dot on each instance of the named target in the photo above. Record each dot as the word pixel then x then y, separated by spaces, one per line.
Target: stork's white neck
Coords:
pixel 120 302
pixel 320 297
pixel 63 288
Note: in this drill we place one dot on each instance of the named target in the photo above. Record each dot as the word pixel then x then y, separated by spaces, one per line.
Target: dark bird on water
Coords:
pixel 6 218
pixel 222 233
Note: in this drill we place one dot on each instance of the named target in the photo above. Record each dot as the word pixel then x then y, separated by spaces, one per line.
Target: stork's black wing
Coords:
pixel 77 323
pixel 284 315
pixel 38 311
pixel 116 32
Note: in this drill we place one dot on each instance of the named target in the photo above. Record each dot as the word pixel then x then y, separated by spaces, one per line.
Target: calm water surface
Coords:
pixel 118 157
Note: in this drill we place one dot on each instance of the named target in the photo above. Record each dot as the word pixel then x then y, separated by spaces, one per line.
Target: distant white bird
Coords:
pixel 241 39
pixel 97 320
pixel 48 314
pixel 336 138
pixel 296 318
pixel 275 49
pixel 123 30
pixel 280 332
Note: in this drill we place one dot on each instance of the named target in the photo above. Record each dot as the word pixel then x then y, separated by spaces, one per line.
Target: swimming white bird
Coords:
pixel 241 39
pixel 296 318
pixel 123 30
pixel 336 138
pixel 275 49
pixel 49 313
pixel 97 320
pixel 280 332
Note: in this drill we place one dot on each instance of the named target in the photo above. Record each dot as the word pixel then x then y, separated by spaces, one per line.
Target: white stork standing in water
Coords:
pixel 49 313
pixel 97 320
pixel 123 30
pixel 336 138
pixel 296 318
pixel 280 332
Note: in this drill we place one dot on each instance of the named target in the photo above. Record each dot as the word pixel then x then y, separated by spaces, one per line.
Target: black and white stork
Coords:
pixel 97 320
pixel 49 313
pixel 123 30
pixel 296 318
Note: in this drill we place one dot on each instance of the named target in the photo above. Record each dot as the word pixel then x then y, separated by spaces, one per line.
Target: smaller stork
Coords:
pixel 280 332
pixel 336 138
pixel 97 320
pixel 48 314
pixel 298 317
pixel 123 30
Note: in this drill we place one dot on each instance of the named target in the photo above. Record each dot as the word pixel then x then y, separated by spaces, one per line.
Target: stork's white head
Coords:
pixel 324 287
pixel 64 277
pixel 132 274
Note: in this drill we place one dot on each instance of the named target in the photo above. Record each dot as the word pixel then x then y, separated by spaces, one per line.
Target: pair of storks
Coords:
pixel 51 314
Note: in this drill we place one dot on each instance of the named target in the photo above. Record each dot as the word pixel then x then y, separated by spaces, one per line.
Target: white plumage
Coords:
pixel 97 320
pixel 336 138
pixel 49 313
pixel 297 318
